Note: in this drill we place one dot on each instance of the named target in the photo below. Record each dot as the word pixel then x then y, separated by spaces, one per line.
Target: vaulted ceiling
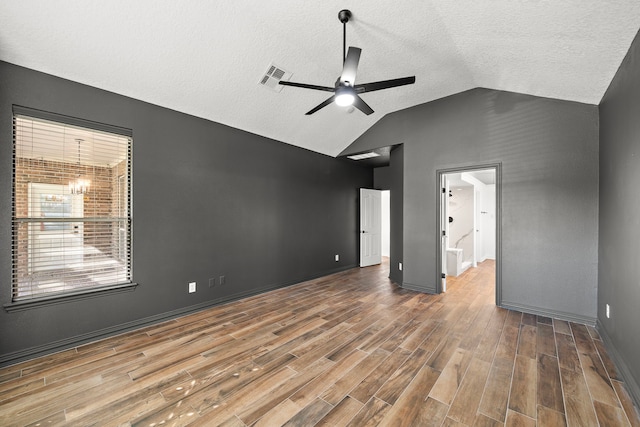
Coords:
pixel 207 58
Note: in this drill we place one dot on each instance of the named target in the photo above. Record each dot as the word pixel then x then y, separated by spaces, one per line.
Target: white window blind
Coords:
pixel 71 207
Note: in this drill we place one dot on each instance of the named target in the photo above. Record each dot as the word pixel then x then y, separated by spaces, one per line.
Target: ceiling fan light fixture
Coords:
pixel 345 96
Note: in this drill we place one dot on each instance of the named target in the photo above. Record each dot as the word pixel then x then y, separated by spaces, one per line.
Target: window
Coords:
pixel 71 206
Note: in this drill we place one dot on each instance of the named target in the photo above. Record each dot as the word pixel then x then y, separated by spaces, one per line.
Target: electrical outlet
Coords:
pixel 608 311
pixel 400 266
pixel 192 287
pixel 222 280
pixel 337 257
pixel 212 282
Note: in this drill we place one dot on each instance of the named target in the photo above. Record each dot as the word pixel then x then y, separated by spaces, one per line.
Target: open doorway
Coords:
pixel 375 227
pixel 468 217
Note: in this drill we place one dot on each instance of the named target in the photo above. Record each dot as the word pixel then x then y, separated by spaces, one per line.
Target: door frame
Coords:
pixel 439 255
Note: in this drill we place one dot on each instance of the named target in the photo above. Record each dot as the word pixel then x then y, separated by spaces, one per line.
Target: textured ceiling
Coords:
pixel 206 58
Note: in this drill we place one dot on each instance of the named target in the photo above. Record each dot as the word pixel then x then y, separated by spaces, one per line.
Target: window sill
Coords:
pixel 39 302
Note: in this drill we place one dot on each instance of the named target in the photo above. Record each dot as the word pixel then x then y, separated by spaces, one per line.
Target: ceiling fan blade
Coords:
pixel 384 84
pixel 306 86
pixel 350 66
pixel 324 104
pixel 362 106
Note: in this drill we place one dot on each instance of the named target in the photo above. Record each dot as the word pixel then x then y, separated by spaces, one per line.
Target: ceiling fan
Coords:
pixel 345 91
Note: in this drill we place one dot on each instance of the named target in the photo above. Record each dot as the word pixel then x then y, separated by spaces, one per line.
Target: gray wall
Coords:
pixel 390 178
pixel 382 178
pixel 208 200
pixel 396 168
pixel 548 150
pixel 619 267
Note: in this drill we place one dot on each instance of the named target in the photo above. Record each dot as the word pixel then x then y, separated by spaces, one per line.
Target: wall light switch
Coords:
pixel 192 287
pixel 608 311
pixel 400 266
pixel 337 257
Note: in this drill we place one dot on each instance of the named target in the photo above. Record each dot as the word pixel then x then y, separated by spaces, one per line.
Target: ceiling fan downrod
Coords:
pixel 344 15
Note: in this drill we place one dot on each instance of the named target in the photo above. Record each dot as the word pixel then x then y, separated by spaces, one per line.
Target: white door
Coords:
pixel 477 226
pixel 489 222
pixel 370 227
pixel 444 230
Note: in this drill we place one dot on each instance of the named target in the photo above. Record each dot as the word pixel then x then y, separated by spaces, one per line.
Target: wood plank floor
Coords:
pixel 347 349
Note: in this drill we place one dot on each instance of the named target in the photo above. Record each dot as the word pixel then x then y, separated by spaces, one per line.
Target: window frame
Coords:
pixel 82 293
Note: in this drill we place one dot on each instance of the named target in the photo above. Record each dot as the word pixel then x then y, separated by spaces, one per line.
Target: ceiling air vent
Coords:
pixel 273 75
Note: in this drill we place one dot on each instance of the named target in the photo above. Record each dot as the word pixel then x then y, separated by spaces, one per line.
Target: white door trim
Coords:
pixel 498 223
